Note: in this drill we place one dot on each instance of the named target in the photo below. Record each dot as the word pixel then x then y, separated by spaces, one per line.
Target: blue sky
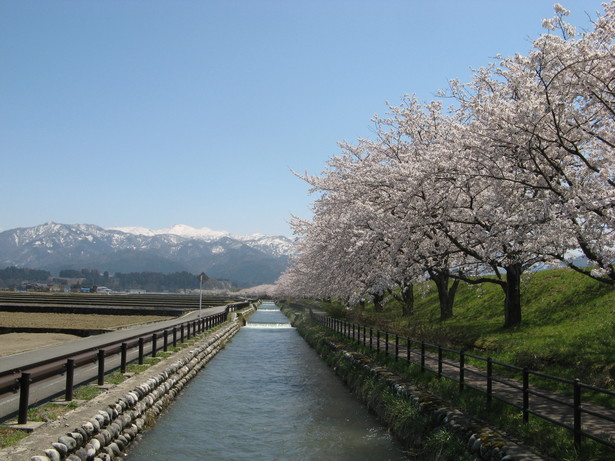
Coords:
pixel 154 113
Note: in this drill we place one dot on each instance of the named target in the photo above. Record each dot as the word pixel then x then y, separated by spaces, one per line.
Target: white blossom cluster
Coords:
pixel 518 171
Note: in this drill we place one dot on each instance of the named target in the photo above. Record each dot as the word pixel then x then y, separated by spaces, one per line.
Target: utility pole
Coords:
pixel 202 277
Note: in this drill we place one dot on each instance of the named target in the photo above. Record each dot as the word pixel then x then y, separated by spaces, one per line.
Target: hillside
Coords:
pixel 568 326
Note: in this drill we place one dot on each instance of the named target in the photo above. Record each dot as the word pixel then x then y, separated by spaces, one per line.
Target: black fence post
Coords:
pixel 378 340
pixel 439 361
pixel 577 414
pixel 174 336
pixel 371 337
pixel 181 333
pixel 70 379
pixel 101 367
pixel 154 344
pixel 386 343
pixel 526 396
pixel 141 351
pixel 165 341
pixel 188 328
pixel 422 356
pixel 462 369
pixel 123 360
pixel 24 397
pixel 408 346
pixel 489 381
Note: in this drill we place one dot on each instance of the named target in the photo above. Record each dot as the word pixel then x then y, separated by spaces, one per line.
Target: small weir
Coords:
pixel 264 325
pixel 261 319
pixel 267 396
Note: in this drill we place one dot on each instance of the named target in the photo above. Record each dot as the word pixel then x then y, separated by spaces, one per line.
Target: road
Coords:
pixel 55 386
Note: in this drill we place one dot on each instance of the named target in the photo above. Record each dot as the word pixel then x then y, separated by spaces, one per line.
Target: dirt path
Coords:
pixel 12 343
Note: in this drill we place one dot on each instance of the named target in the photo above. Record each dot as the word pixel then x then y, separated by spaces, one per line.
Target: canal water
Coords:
pixel 267 396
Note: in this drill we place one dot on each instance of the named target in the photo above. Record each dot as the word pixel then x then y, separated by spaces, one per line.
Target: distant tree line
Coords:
pixel 13 278
pixel 148 281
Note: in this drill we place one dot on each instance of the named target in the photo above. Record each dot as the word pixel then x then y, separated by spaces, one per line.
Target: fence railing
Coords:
pixel 13 381
pixel 583 418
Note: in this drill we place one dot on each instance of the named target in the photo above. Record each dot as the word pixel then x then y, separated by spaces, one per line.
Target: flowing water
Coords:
pixel 267 396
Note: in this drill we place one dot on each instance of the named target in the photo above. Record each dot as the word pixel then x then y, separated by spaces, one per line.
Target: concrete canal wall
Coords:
pixel 102 428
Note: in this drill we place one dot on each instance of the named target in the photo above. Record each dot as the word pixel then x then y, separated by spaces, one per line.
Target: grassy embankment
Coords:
pixel 568 326
pixel 568 330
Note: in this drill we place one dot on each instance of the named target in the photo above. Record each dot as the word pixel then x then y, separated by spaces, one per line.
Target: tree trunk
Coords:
pixel 378 298
pixel 446 295
pixel 407 297
pixel 512 289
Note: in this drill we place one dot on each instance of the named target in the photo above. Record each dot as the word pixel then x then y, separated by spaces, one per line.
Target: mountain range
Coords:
pixel 244 260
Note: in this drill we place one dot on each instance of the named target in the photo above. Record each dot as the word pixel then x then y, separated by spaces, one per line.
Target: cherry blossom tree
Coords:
pixel 548 118
pixel 520 172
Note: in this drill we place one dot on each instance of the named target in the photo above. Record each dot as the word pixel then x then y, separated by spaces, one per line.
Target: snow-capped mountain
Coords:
pixel 246 261
pixel 277 245
pixel 182 230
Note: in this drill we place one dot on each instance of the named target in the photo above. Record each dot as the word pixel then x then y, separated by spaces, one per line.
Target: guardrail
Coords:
pixel 20 380
pixel 583 418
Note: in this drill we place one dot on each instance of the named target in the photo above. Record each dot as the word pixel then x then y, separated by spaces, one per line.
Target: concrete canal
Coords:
pixel 267 396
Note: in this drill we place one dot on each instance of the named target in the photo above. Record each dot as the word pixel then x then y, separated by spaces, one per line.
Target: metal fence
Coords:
pixel 583 418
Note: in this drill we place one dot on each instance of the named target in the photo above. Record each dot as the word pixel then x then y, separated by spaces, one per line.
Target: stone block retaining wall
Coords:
pixel 112 425
pixel 483 442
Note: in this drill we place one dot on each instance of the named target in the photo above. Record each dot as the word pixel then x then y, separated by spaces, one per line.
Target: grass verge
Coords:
pixel 568 327
pixel 10 436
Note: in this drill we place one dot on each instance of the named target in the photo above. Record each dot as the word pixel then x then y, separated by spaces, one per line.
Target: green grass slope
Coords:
pixel 568 326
